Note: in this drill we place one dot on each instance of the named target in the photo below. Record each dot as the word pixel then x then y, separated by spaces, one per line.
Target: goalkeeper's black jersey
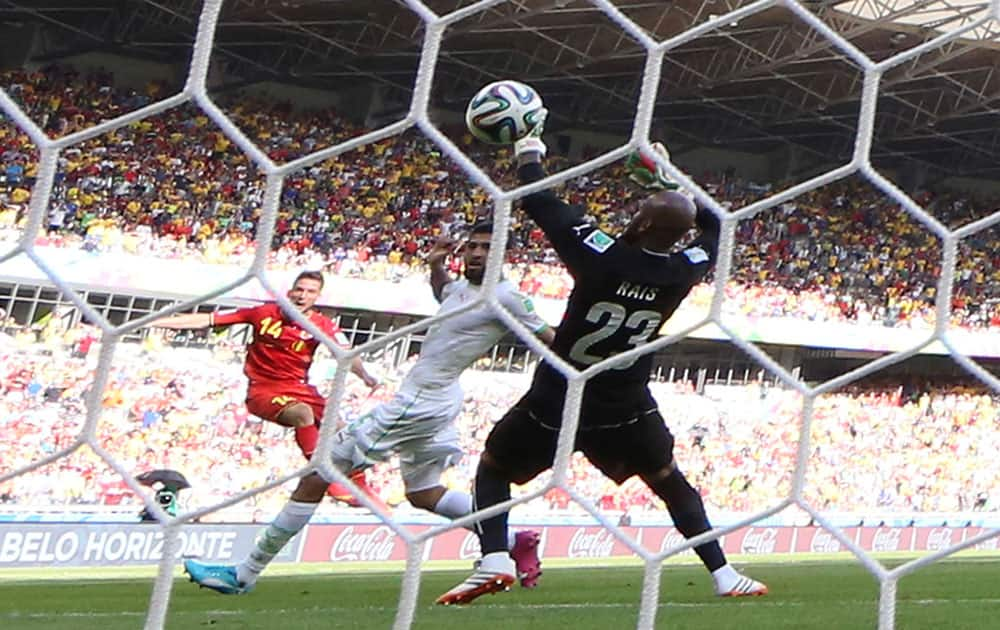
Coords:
pixel 622 296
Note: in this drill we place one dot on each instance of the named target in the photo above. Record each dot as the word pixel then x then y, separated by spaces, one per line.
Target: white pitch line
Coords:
pixel 934 602
pixel 69 614
pixel 755 603
pixel 343 609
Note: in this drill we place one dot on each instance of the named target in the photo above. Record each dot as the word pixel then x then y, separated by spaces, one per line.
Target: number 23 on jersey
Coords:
pixel 612 317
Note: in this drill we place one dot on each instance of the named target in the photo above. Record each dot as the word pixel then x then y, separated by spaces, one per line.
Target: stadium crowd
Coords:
pixel 885 448
pixel 174 186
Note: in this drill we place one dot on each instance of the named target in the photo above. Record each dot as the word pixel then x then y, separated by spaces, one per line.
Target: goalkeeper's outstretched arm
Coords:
pixel 563 224
pixel 569 230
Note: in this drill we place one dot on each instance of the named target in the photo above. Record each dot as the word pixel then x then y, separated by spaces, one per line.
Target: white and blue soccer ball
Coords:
pixel 503 112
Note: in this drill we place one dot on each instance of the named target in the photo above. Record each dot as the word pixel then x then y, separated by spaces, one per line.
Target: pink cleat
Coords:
pixel 525 555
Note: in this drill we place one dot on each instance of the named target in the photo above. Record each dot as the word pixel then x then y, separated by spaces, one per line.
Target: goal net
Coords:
pixel 435 25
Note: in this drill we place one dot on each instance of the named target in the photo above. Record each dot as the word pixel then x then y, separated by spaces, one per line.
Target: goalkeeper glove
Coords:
pixel 644 170
pixel 532 141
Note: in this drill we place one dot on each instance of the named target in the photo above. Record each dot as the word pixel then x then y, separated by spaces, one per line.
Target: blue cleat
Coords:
pixel 221 578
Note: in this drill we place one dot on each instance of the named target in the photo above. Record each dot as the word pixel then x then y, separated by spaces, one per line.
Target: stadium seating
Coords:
pixel 173 186
pixel 891 448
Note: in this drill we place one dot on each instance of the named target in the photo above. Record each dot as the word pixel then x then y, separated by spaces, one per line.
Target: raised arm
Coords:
pixel 689 266
pixel 523 310
pixel 572 235
pixel 195 321
pixel 544 207
pixel 440 276
pixel 708 240
pixel 184 321
pixel 358 369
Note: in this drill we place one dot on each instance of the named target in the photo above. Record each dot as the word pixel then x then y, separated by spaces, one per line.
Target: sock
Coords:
pixel 688 512
pixel 290 521
pixel 725 577
pixel 491 488
pixel 454 504
pixel 307 437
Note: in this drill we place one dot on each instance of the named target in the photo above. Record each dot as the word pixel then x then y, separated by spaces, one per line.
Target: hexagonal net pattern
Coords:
pixel 195 90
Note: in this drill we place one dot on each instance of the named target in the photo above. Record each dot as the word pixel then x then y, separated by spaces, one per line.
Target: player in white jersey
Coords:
pixel 418 423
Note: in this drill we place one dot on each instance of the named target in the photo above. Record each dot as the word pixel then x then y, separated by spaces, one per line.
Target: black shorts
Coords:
pixel 523 447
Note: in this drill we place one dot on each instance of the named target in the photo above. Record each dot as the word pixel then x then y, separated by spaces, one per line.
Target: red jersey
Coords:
pixel 281 350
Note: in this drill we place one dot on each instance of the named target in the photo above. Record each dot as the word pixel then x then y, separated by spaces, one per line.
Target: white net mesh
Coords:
pixel 435 25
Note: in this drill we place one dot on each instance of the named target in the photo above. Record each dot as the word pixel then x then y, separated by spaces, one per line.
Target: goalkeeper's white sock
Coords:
pixel 290 521
pixel 454 504
pixel 725 577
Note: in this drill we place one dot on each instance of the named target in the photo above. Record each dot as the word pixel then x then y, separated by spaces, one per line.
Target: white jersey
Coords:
pixel 418 423
pixel 457 342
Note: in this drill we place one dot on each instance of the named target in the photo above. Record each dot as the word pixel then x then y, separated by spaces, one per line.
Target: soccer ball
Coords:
pixel 503 112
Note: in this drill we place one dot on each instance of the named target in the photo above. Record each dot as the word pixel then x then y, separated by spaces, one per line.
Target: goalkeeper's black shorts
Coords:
pixel 524 444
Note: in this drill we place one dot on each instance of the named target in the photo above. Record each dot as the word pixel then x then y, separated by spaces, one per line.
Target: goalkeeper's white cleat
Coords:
pixel 741 587
pixel 496 573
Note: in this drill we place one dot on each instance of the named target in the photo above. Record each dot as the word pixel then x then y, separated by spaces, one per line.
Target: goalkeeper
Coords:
pixel 625 289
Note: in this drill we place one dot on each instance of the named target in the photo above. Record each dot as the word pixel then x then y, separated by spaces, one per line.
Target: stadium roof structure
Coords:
pixel 767 81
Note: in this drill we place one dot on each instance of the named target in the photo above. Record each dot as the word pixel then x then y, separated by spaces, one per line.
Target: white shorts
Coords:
pixel 417 423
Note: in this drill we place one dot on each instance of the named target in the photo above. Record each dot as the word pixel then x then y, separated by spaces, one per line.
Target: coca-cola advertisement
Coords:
pixel 759 540
pixel 337 543
pixel 990 544
pixel 819 540
pixel 455 544
pixel 585 542
pixel 660 539
pixel 40 544
pixel 880 539
pixel 340 543
pixel 938 538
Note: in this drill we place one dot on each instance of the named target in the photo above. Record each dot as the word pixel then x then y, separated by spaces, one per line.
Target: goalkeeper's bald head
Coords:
pixel 660 220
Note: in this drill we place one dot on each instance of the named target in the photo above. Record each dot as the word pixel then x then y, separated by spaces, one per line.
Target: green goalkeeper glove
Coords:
pixel 644 171
pixel 532 141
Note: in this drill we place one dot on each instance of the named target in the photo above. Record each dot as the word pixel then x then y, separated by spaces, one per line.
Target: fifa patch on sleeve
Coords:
pixel 696 255
pixel 525 301
pixel 598 241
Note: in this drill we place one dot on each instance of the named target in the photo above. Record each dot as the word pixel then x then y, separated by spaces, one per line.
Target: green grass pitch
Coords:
pixel 828 595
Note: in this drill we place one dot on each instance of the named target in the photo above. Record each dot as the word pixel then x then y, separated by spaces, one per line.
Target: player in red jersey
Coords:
pixel 278 361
